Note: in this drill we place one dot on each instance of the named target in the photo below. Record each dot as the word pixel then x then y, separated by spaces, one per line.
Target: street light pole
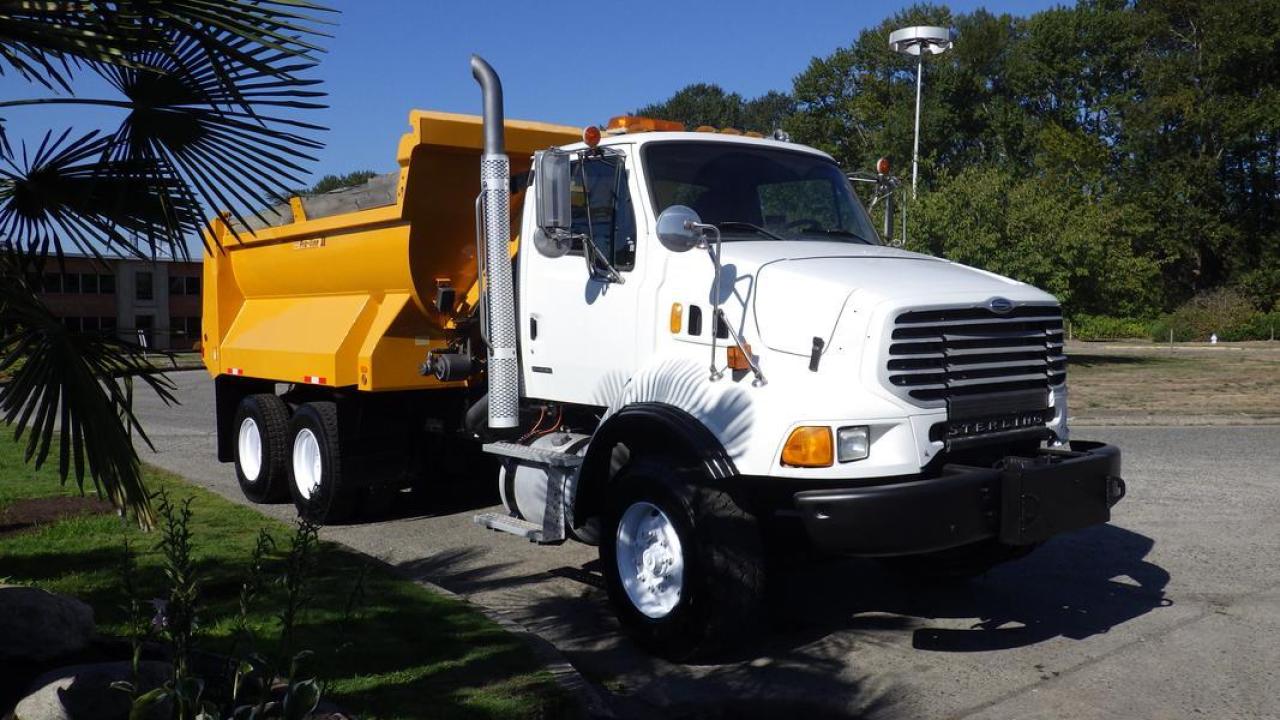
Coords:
pixel 920 40
pixel 915 152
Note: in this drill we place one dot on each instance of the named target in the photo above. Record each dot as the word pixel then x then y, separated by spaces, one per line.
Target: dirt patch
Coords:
pixel 26 515
pixel 1220 384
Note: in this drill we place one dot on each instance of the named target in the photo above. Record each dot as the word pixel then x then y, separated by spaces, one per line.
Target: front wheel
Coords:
pixel 683 563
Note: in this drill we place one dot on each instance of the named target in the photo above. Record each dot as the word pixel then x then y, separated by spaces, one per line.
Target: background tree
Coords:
pixel 704 104
pixel 1147 130
pixel 209 94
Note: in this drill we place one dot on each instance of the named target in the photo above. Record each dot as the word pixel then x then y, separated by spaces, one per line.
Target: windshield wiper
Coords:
pixel 749 226
pixel 840 232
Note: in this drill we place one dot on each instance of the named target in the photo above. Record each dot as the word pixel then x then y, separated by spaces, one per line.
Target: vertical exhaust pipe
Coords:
pixel 495 196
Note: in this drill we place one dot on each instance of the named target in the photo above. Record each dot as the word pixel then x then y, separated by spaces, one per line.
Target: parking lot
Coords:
pixel 1170 611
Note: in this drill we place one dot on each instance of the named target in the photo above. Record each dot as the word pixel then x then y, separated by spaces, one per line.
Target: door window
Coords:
pixel 601 209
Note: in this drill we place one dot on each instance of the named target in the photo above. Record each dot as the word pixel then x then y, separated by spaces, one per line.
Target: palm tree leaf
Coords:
pixel 233 150
pixel 70 190
pixel 73 385
pixel 37 38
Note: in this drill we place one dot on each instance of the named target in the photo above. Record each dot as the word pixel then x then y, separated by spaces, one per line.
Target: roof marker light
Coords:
pixel 635 123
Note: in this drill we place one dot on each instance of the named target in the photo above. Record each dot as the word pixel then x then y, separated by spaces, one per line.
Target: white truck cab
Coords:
pixel 724 354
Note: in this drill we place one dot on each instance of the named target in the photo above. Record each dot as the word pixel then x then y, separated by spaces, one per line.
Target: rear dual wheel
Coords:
pixel 322 490
pixel 261 447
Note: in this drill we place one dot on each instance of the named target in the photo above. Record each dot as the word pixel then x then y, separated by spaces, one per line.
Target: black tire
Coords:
pixel 721 601
pixel 959 563
pixel 332 497
pixel 268 417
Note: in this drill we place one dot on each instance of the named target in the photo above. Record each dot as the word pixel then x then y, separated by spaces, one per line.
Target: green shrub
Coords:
pixel 1103 327
pixel 1219 311
pixel 1262 326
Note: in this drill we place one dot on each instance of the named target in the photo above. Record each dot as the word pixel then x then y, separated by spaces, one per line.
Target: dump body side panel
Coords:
pixel 348 299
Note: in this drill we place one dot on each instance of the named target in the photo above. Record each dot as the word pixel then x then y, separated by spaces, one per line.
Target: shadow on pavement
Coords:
pixel 1075 586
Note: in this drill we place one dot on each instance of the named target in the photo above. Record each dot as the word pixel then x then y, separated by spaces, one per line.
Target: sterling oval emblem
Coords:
pixel 1000 305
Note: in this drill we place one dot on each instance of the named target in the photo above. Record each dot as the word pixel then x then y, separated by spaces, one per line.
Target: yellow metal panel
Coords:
pixel 288 339
pixel 348 298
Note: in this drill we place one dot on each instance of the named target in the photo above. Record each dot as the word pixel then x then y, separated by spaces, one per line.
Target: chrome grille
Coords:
pixel 942 353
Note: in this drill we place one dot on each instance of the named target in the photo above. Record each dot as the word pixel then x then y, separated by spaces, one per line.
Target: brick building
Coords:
pixel 153 302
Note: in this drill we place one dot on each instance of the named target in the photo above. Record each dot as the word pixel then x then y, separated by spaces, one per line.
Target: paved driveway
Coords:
pixel 1171 611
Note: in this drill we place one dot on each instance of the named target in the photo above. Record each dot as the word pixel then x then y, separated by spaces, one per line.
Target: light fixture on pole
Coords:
pixel 920 40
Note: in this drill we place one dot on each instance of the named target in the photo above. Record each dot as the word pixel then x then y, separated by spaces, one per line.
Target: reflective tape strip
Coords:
pixel 235 371
pixel 314 380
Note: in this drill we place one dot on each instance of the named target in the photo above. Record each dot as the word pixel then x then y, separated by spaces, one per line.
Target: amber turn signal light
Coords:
pixel 808 446
pixel 739 358
pixel 677 318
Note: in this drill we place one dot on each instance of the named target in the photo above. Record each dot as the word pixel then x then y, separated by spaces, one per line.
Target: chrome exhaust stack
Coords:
pixel 497 289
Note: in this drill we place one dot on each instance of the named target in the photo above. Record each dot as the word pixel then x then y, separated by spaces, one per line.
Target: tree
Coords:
pixel 329 183
pixel 703 104
pixel 210 94
pixel 1162 114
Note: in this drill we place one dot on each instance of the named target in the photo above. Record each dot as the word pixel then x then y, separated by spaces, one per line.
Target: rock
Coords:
pixel 39 625
pixel 84 692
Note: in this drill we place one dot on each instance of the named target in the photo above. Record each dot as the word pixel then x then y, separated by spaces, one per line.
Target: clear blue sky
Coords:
pixel 568 62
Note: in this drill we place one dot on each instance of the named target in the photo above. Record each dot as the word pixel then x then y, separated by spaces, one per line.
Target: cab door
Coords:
pixel 578 334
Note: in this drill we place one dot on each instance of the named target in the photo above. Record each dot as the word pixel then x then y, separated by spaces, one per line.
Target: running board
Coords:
pixel 560 471
pixel 513 526
pixel 542 456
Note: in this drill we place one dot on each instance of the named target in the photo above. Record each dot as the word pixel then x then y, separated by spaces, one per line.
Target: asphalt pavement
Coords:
pixel 1170 611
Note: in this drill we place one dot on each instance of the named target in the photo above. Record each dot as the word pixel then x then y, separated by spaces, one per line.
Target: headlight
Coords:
pixel 853 443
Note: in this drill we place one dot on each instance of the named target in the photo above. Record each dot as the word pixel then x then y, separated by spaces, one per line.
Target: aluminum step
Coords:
pixel 511 525
pixel 538 455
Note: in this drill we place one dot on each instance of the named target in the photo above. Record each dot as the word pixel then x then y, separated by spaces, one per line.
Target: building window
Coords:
pixel 89 324
pixel 107 324
pixel 52 283
pixel 143 289
pixel 193 286
pixel 175 285
pixel 107 284
pixel 71 283
pixel 89 283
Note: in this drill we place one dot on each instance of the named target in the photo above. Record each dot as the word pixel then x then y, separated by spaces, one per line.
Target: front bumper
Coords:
pixel 1025 501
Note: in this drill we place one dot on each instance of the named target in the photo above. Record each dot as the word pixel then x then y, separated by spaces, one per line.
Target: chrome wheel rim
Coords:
pixel 650 560
pixel 249 448
pixel 307 467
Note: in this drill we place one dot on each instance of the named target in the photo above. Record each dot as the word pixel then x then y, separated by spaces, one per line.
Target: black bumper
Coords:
pixel 1027 500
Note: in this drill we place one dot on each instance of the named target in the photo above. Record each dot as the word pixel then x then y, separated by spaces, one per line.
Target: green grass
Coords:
pixel 407 652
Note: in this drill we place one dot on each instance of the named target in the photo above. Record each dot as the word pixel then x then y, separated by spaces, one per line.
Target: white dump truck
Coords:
pixel 685 347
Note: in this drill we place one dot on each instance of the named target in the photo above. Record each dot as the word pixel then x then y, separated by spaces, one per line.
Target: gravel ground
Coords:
pixel 1170 611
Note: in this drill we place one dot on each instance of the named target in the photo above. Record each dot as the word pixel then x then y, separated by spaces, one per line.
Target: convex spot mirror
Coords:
pixel 678 229
pixel 551 183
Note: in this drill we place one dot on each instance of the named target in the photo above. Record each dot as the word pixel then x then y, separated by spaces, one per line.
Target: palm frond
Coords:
pixel 75 387
pixel 236 148
pixel 69 190
pixel 38 40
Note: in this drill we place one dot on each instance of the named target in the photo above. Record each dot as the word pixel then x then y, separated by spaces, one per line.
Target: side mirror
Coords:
pixel 551 184
pixel 678 229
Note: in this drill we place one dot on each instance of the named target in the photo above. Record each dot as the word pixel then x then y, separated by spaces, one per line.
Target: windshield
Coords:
pixel 757 193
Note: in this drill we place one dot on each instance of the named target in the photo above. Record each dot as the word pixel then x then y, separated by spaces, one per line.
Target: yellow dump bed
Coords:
pixel 349 299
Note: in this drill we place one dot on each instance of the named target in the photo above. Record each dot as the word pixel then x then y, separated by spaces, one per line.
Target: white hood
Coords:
pixel 802 288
